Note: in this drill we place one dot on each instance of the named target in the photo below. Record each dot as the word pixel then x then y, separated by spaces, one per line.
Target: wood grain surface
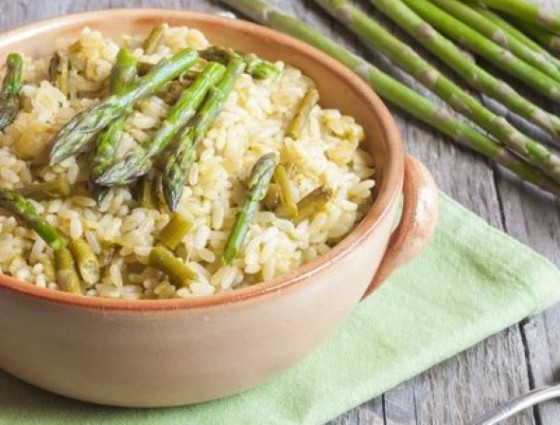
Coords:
pixel 510 363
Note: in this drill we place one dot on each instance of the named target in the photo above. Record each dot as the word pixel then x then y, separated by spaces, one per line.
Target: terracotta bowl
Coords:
pixel 173 352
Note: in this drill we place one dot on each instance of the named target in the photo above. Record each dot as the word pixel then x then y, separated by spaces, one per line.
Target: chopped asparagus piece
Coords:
pixel 154 40
pixel 311 203
pixel 172 234
pixel 179 273
pixel 288 207
pixel 87 262
pixel 301 118
pixel 57 188
pixel 66 272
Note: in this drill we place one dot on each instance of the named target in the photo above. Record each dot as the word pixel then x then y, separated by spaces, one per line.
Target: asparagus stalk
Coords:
pixel 474 41
pixel 66 272
pixel 179 273
pixel 494 32
pixel 80 130
pixel 376 36
pixel 288 207
pixel 87 262
pixel 300 119
pixel 312 203
pixel 180 160
pixel 147 193
pixel 153 40
pixel 256 190
pixel 174 231
pixel 27 213
pixel 59 67
pixel 527 12
pixel 11 87
pixel 474 75
pixel 137 162
pixel 546 39
pixel 394 91
pixel 254 66
pixel 122 75
pixel 57 188
pixel 272 198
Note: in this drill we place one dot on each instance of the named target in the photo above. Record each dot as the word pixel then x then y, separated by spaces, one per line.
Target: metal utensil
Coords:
pixel 520 403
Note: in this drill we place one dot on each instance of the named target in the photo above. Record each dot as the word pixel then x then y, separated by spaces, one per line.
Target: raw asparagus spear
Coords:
pixel 122 75
pixel 488 28
pixel 174 231
pixel 300 119
pixel 311 203
pixel 80 130
pixel 394 91
pixel 288 207
pixel 66 272
pixel 27 213
pixel 137 162
pixel 479 44
pixel 474 75
pixel 179 273
pixel 180 160
pixel 153 40
pixel 11 87
pixel 376 36
pixel 546 39
pixel 57 188
pixel 256 190
pixel 87 262
pixel 527 12
pixel 254 66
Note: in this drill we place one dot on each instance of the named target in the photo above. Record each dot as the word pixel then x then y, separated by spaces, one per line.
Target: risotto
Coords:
pixel 121 231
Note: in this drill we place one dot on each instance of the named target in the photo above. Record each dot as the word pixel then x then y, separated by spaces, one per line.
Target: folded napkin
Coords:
pixel 470 283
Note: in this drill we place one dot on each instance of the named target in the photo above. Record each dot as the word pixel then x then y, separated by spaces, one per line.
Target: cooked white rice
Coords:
pixel 252 123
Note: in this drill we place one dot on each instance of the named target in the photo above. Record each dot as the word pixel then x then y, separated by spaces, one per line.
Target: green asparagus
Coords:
pixel 300 119
pixel 494 32
pixel 66 272
pixel 474 75
pixel 11 88
pixel 27 213
pixel 59 68
pixel 376 36
pixel 153 40
pixel 394 91
pixel 137 162
pixel 254 66
pixel 123 74
pixel 80 130
pixel 174 231
pixel 287 207
pixel 57 188
pixel 173 90
pixel 256 190
pixel 147 193
pixel 87 262
pixel 546 39
pixel 179 273
pixel 312 203
pixel 526 11
pixel 180 160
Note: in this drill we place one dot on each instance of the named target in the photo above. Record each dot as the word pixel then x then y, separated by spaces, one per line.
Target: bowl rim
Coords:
pixel 389 189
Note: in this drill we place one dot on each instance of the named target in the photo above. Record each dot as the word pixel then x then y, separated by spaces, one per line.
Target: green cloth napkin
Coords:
pixel 470 283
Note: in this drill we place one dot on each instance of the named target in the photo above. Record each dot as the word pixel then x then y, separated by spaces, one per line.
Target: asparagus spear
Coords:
pixel 87 262
pixel 527 12
pixel 25 211
pixel 180 160
pixel 394 91
pixel 288 207
pixel 57 188
pixel 546 39
pixel 488 28
pixel 173 91
pixel 376 36
pixel 301 117
pixel 256 190
pixel 137 162
pixel 179 273
pixel 80 130
pixel 122 75
pixel 58 71
pixel 474 75
pixel 11 87
pixel 254 66
pixel 174 231
pixel 311 203
pixel 66 272
pixel 153 40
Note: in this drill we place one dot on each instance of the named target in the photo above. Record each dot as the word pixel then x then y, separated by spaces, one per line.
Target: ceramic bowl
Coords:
pixel 173 352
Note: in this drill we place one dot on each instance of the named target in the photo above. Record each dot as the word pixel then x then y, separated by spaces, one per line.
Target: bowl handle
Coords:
pixel 417 224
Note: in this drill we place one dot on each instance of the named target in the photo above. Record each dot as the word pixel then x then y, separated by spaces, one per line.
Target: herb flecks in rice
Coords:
pixel 121 234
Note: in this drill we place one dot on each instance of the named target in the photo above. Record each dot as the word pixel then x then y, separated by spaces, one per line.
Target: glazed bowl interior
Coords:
pixel 339 88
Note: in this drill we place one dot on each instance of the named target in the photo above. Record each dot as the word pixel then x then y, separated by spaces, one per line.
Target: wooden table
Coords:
pixel 521 357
